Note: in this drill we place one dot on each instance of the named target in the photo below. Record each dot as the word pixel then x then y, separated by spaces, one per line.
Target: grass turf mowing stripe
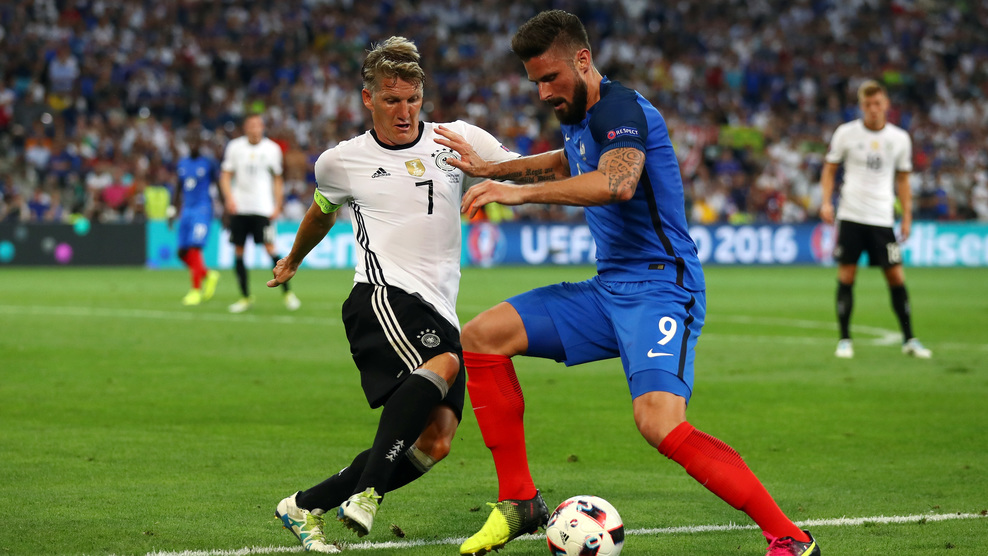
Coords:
pixel 883 336
pixel 192 315
pixel 688 529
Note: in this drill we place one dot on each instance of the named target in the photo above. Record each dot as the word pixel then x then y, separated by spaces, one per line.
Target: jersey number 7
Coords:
pixel 429 183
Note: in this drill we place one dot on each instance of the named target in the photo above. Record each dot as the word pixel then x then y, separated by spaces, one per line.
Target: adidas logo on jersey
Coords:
pixel 380 173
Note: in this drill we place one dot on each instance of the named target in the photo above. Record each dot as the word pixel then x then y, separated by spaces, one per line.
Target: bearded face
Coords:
pixel 572 111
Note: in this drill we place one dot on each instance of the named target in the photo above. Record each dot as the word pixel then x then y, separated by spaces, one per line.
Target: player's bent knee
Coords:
pixel 436 448
pixel 653 431
pixel 496 331
pixel 657 414
pixel 446 365
pixel 437 439
pixel 439 449
pixel 472 336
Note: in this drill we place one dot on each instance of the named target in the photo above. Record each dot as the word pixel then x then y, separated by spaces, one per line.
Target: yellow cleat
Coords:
pixel 209 284
pixel 192 298
pixel 509 520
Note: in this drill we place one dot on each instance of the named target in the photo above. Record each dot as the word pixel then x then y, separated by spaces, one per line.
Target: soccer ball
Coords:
pixel 585 526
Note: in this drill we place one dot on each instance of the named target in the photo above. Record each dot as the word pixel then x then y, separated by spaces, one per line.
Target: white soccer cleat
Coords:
pixel 845 349
pixel 358 511
pixel 241 305
pixel 305 525
pixel 915 348
pixel 291 301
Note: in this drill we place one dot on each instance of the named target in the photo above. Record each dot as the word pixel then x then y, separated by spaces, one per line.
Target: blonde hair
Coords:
pixel 395 58
pixel 869 88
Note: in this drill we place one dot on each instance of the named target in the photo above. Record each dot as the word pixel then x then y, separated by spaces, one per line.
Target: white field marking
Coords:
pixel 955 345
pixel 190 315
pixel 883 336
pixel 688 529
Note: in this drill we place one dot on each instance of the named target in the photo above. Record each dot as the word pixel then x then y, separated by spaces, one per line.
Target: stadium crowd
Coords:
pixel 98 97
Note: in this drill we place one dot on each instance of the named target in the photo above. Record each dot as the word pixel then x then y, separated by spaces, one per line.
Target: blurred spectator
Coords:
pixel 114 199
pixel 120 82
pixel 12 206
pixel 7 97
pixel 979 196
pixel 96 181
pixel 45 205
pixel 298 195
pixel 159 190
pixel 63 71
pixel 63 162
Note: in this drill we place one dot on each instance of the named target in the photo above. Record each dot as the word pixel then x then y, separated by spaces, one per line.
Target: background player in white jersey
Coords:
pixel 253 190
pixel 877 159
pixel 400 316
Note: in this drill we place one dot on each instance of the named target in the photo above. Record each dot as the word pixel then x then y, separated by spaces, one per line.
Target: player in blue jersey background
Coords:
pixel 646 305
pixel 193 202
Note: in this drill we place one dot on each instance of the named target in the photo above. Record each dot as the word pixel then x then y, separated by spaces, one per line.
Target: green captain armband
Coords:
pixel 324 203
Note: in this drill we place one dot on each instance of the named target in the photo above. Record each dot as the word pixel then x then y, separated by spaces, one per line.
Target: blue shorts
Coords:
pixel 653 326
pixel 193 228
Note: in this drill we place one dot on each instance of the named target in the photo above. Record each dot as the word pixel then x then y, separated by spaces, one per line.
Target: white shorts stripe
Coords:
pixel 389 323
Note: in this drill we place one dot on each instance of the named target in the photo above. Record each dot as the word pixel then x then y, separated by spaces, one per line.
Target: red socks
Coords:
pixel 721 470
pixel 197 268
pixel 499 406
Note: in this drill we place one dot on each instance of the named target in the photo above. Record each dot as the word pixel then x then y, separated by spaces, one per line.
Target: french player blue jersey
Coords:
pixel 645 238
pixel 194 177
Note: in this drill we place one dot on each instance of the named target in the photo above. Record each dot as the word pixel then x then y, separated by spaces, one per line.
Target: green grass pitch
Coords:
pixel 130 424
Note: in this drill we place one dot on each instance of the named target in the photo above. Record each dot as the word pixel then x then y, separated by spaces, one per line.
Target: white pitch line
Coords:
pixel 689 529
pixel 883 336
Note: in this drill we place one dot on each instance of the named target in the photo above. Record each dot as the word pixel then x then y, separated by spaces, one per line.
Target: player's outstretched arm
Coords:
pixel 614 181
pixel 315 225
pixel 546 166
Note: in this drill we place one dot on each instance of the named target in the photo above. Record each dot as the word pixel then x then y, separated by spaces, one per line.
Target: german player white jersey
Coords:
pixel 254 168
pixel 405 203
pixel 871 160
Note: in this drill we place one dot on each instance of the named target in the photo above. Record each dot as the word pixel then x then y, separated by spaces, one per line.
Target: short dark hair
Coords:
pixel 547 28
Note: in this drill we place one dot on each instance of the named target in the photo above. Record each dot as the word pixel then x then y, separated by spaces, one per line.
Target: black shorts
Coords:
pixel 392 333
pixel 878 241
pixel 254 225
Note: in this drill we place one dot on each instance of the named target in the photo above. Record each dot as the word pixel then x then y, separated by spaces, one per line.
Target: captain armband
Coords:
pixel 324 204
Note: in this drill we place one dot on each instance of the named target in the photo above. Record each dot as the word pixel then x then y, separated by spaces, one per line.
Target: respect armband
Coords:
pixel 324 204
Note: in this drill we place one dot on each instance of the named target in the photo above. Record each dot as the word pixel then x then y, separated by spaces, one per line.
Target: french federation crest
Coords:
pixel 415 167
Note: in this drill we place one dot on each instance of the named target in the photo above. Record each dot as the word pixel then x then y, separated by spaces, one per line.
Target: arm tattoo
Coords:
pixel 623 168
pixel 530 175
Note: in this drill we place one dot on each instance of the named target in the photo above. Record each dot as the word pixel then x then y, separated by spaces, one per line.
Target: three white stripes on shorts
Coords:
pixel 392 331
